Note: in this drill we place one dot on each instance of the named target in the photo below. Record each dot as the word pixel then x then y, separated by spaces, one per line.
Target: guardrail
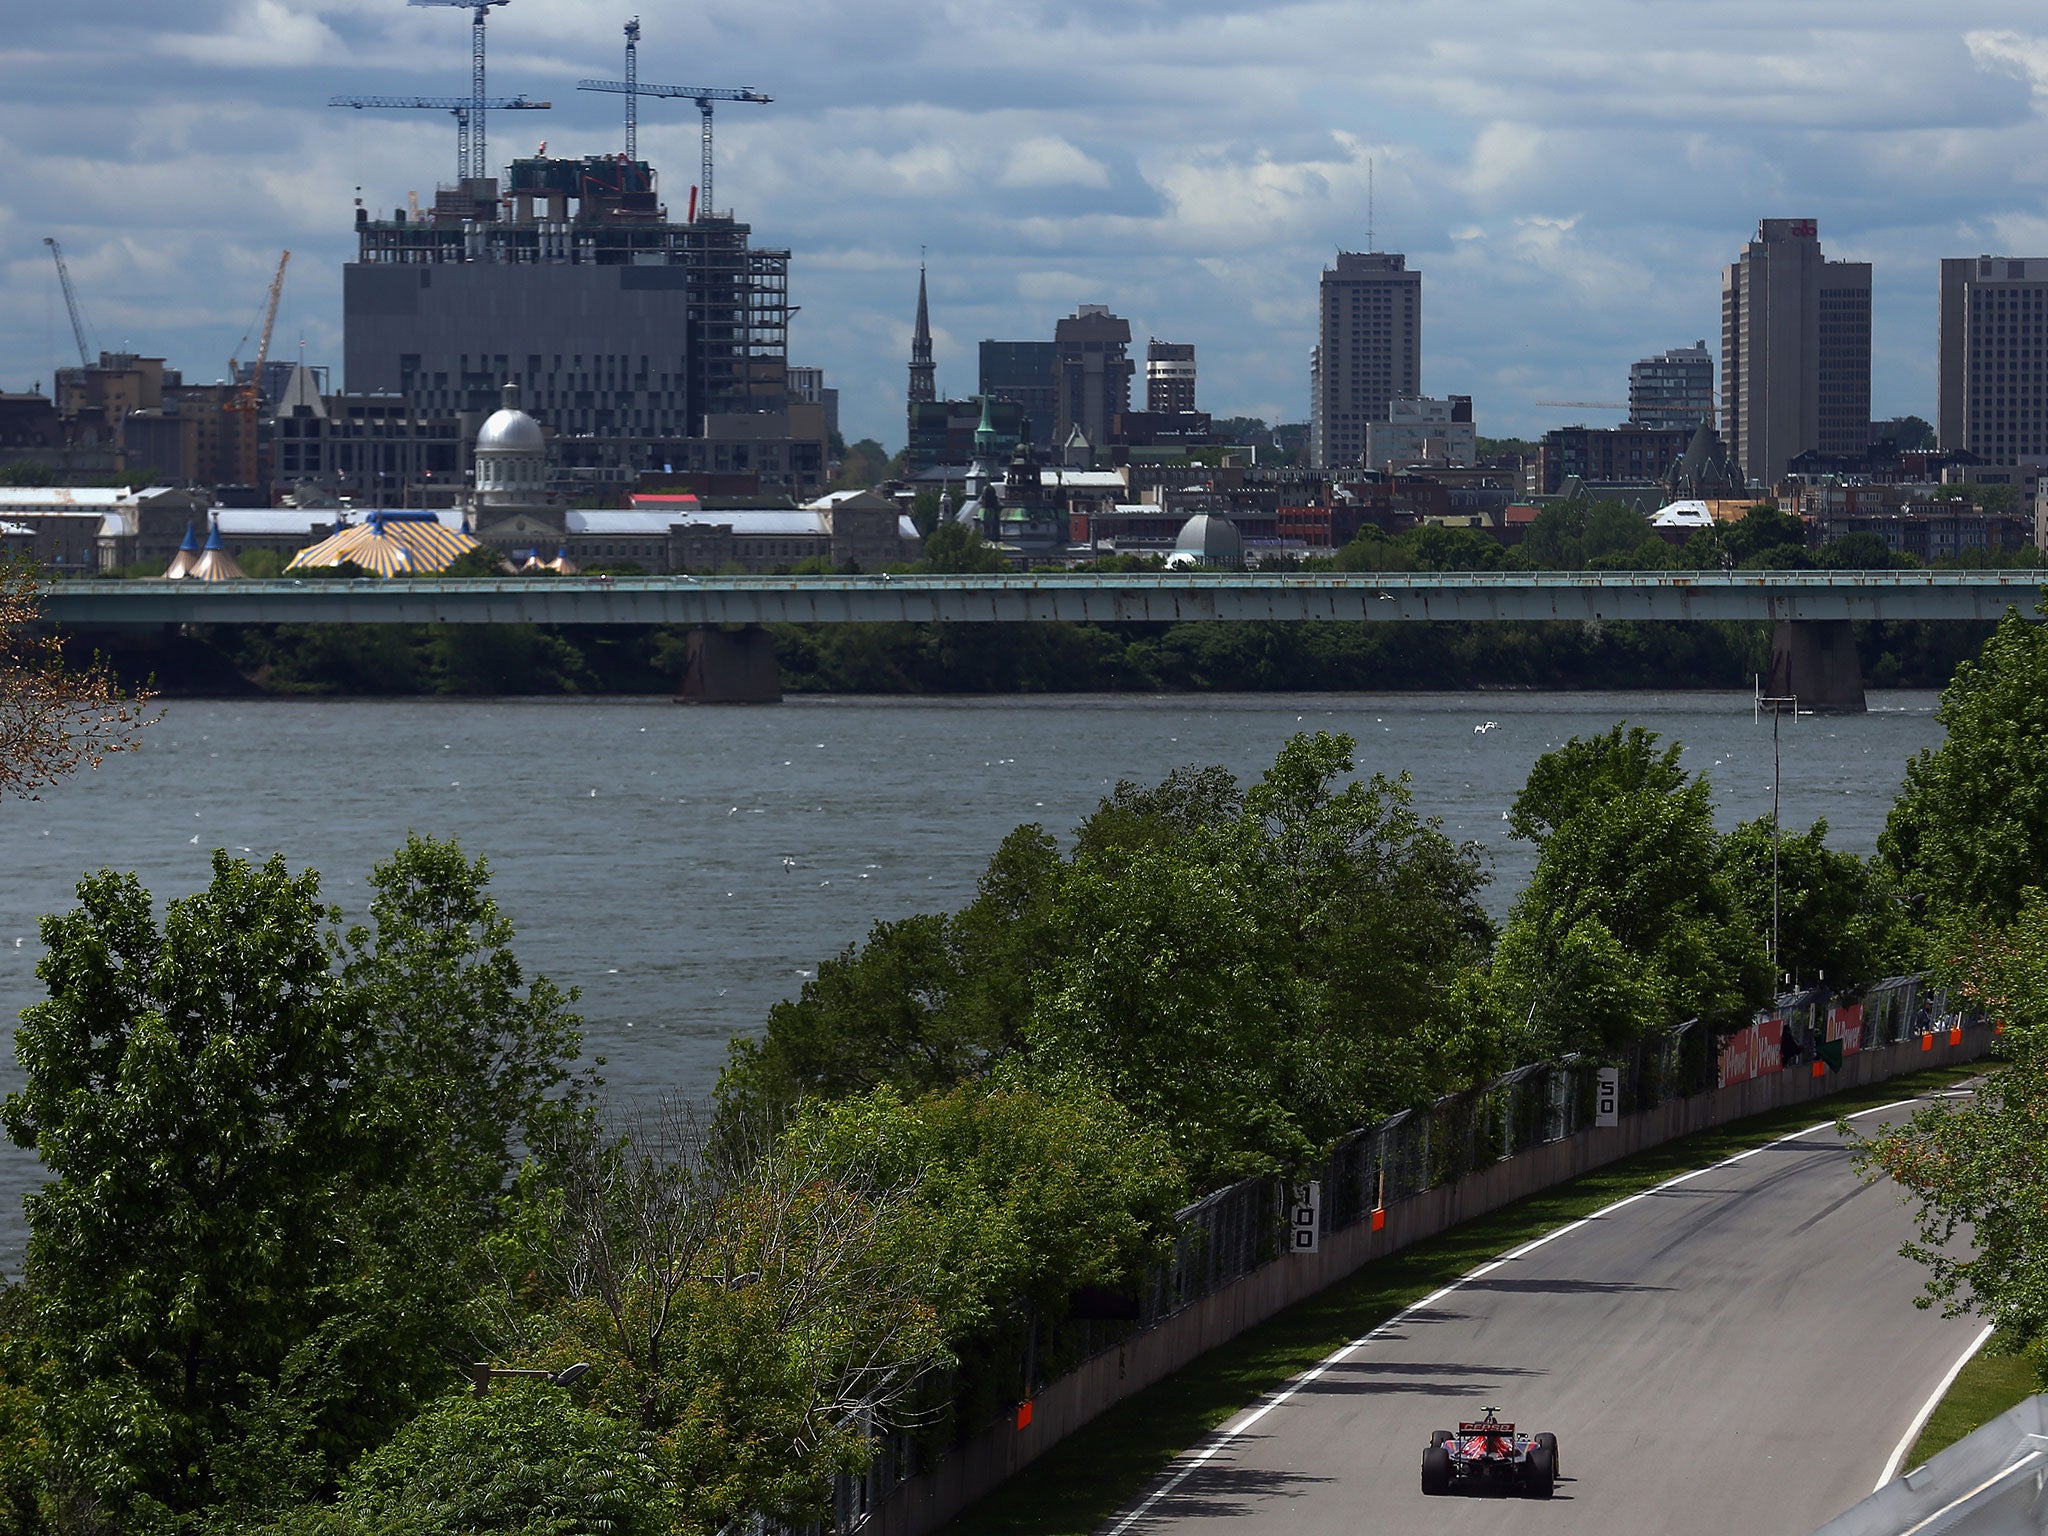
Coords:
pixel 1384 1187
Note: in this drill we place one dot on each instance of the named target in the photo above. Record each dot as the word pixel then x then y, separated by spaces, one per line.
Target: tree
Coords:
pixel 1629 924
pixel 956 549
pixel 1973 1166
pixel 274 1147
pixel 866 463
pixel 1257 977
pixel 1969 830
pixel 53 719
pixel 523 1460
pixel 1753 539
pixel 929 1001
pixel 1589 772
pixel 1861 552
pixel 1839 918
pixel 746 1300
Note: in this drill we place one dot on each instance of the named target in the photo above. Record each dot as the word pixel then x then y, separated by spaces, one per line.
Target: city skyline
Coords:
pixel 1194 172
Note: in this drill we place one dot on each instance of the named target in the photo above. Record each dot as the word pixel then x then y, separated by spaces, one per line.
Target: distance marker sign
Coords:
pixel 1607 1097
pixel 1304 1217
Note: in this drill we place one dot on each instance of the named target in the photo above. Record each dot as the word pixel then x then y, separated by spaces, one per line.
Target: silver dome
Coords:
pixel 1211 540
pixel 511 431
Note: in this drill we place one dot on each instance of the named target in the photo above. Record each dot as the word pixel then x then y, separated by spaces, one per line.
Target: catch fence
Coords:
pixel 1230 1234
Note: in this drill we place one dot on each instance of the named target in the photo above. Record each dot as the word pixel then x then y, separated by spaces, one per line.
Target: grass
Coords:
pixel 1985 1388
pixel 1081 1482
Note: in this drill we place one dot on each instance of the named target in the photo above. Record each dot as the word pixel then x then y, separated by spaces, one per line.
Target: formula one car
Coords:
pixel 1488 1454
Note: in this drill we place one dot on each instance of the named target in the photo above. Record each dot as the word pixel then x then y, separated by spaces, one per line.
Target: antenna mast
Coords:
pixel 1369 242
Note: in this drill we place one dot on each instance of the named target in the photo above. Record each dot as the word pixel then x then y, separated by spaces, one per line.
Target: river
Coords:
pixel 640 847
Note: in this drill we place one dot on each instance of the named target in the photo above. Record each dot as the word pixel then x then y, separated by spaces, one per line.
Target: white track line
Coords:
pixel 1891 1468
pixel 1222 1438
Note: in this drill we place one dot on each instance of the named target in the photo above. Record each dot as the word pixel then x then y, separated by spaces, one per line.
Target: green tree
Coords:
pixel 927 1002
pixel 743 1298
pixel 865 464
pixel 1629 924
pixel 524 1461
pixel 1969 830
pixel 1751 540
pixel 1588 772
pixel 273 1148
pixel 1861 552
pixel 1436 548
pixel 1258 983
pixel 1371 550
pixel 1973 1166
pixel 954 548
pixel 1839 919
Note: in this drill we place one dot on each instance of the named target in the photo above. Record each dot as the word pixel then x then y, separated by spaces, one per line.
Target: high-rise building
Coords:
pixel 1169 377
pixel 1024 374
pixel 808 384
pixel 1420 431
pixel 1094 372
pixel 1673 390
pixel 625 331
pixel 1795 352
pixel 1368 350
pixel 1993 399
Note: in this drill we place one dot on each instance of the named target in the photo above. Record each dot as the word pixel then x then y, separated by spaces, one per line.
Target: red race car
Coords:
pixel 1488 1454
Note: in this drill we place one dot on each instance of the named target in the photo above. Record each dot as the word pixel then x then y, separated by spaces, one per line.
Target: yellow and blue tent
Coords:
pixel 388 544
pixel 215 563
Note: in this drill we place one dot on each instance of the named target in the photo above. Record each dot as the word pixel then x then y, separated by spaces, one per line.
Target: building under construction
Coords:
pixel 629 334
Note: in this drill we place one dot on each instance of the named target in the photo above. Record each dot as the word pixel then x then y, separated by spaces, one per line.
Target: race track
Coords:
pixel 1736 1352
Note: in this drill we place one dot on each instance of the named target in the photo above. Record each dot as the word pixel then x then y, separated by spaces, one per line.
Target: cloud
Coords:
pixel 262 34
pixel 1052 162
pixel 1568 180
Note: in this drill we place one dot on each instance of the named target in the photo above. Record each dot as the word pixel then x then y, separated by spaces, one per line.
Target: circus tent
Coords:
pixel 390 543
pixel 186 557
pixel 215 563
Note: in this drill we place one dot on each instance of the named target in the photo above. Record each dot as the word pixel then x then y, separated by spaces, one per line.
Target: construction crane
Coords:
pixel 460 106
pixel 70 302
pixel 1590 405
pixel 478 160
pixel 704 96
pixel 244 400
pixel 632 84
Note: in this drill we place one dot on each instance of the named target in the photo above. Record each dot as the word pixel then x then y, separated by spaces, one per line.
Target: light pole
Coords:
pixel 1777 705
pixel 481 1374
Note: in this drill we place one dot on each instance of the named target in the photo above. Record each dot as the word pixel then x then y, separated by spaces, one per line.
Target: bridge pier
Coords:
pixel 730 667
pixel 1814 661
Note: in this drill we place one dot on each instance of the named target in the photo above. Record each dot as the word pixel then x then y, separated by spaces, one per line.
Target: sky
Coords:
pixel 1569 179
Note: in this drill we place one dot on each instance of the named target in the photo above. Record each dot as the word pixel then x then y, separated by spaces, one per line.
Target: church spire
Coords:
pixel 923 380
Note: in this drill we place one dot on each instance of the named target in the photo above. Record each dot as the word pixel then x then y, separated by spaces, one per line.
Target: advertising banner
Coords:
pixel 1846 1025
pixel 1755 1050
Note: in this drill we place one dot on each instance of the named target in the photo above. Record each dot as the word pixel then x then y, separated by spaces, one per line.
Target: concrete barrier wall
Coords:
pixel 923 1503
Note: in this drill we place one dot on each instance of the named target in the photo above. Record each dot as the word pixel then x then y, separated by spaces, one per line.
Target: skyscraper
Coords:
pixel 1091 347
pixel 1795 351
pixel 621 327
pixel 1993 397
pixel 1169 376
pixel 1368 350
pixel 1026 374
pixel 1673 390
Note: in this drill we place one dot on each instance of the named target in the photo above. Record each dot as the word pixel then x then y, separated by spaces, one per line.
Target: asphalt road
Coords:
pixel 1736 1352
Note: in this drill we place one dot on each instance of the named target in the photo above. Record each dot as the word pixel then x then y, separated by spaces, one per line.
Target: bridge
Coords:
pixel 1171 597
pixel 1813 658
